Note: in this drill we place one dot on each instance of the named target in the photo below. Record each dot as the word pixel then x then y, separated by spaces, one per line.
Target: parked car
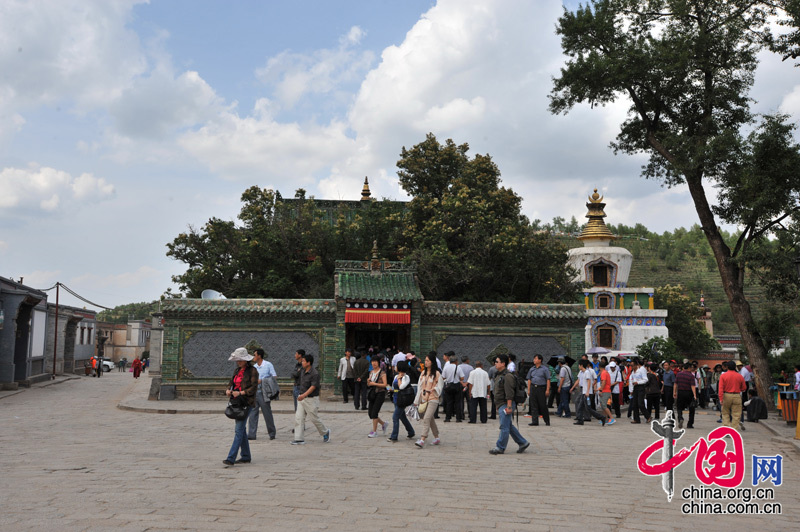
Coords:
pixel 108 365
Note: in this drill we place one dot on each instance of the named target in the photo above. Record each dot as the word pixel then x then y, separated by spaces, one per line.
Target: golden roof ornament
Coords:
pixel 596 228
pixel 365 193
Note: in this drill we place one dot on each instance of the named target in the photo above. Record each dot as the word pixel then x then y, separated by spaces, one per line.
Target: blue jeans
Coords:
pixel 507 428
pixel 563 403
pixel 295 393
pixel 240 440
pixel 398 416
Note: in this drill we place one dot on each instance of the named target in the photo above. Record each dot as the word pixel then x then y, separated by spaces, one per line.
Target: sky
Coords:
pixel 124 122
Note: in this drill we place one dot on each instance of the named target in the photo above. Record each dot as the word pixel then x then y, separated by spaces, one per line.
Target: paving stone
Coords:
pixel 74 461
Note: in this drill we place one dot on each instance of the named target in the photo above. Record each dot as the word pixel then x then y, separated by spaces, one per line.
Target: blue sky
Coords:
pixel 122 122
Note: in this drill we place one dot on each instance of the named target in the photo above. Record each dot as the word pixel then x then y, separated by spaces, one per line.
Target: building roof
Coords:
pixel 512 311
pixel 383 286
pixel 297 307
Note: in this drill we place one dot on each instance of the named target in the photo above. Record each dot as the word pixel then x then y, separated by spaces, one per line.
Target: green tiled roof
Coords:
pixel 384 287
pixel 513 311
pixel 241 306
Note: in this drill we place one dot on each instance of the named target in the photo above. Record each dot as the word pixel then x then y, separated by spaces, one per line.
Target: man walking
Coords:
pixel 453 385
pixel 639 380
pixel 685 394
pixel 504 388
pixel 298 370
pixel 587 381
pixel 564 386
pixel 361 374
pixel 731 387
pixel 477 391
pixel 346 374
pixel 265 370
pixel 308 403
pixel 668 385
pixel 538 390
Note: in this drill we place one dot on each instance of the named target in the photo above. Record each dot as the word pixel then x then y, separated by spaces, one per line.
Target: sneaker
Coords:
pixel 527 415
pixel 383 428
pixel 420 443
pixel 523 447
pixel 611 421
pixel 327 437
pixel 298 442
pixel 436 441
pixel 719 420
pixel 227 463
pixel 372 434
pixel 741 426
pixel 242 461
pixel 411 436
pixel 391 440
pixel 496 451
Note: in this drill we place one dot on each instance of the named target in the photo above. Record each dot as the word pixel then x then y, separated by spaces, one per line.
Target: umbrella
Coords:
pixel 598 350
pixel 569 361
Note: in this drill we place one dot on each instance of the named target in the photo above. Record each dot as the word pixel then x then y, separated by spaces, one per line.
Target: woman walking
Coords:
pixel 430 389
pixel 242 387
pixel 376 384
pixel 400 383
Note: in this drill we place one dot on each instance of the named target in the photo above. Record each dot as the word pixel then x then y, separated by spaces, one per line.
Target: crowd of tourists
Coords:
pixel 457 389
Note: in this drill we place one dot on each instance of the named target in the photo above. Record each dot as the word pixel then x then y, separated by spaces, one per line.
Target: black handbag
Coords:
pixel 237 408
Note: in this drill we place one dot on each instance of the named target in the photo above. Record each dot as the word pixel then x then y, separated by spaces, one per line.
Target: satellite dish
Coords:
pixel 211 294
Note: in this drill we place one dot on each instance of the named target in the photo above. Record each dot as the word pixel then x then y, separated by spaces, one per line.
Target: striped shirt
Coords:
pixel 684 380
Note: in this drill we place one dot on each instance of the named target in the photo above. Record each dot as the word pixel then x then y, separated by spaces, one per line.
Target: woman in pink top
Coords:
pixel 429 390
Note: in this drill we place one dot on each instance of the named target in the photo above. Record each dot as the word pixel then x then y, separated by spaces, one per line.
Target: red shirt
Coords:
pixel 604 375
pixel 237 380
pixel 731 382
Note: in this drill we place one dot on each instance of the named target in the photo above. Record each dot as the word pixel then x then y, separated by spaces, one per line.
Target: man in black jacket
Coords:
pixel 360 374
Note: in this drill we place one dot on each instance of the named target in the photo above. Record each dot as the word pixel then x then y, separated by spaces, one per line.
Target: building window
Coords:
pixel 600 275
pixel 83 329
pixel 605 337
pixel 89 335
pixel 603 302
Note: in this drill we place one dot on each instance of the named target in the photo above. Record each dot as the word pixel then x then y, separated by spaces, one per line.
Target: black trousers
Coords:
pixel 348 388
pixel 615 399
pixel 538 404
pixel 653 402
pixel 553 398
pixel 685 399
pixel 473 405
pixel 360 395
pixel 494 408
pixel 637 401
pixel 455 404
pixel 669 401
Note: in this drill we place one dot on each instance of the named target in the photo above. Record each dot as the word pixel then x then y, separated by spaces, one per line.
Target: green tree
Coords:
pixel 467 236
pixel 689 335
pixel 657 350
pixel 686 67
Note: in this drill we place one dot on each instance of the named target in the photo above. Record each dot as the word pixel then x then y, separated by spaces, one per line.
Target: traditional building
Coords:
pixel 23 329
pixel 619 317
pixel 71 345
pixel 375 302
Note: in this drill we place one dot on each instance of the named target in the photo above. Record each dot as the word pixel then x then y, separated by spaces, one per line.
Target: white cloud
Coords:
pixel 3 245
pixel 41 279
pixel 43 188
pixel 141 275
pixel 294 75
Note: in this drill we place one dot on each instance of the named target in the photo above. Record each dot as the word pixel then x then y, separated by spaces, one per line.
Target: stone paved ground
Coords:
pixel 73 461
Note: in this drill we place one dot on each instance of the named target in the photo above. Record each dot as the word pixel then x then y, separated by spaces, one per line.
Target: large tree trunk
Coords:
pixel 733 283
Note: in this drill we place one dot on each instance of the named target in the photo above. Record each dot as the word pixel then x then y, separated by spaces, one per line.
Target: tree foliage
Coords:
pixel 657 350
pixel 689 335
pixel 462 229
pixel 686 68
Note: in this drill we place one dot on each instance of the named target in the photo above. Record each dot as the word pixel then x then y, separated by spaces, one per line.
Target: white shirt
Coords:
pixel 479 380
pixel 512 367
pixel 342 373
pixel 452 373
pixel 639 376
pixel 746 374
pixel 616 378
pixel 397 358
pixel 266 369
pixel 585 378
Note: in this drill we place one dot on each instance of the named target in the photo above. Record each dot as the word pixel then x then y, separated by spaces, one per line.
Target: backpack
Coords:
pixel 520 389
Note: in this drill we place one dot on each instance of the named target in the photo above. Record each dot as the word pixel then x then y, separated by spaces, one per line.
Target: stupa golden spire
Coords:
pixel 365 193
pixel 596 228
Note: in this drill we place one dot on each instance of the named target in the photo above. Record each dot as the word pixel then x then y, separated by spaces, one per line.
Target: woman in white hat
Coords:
pixel 243 384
